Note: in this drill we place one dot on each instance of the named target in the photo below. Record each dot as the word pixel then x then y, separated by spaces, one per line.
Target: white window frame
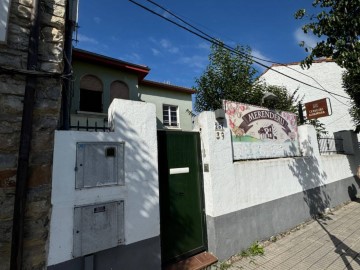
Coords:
pixel 172 124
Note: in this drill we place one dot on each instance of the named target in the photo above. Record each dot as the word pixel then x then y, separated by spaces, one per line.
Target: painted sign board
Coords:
pixel 316 109
pixel 258 132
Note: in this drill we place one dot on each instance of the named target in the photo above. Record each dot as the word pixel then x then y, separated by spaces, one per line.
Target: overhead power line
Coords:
pixel 232 49
pixel 215 41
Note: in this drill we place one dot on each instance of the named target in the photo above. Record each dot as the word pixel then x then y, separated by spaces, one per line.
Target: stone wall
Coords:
pixel 13 55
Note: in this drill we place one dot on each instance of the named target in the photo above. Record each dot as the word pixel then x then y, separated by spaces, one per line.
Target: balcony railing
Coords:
pixel 86 127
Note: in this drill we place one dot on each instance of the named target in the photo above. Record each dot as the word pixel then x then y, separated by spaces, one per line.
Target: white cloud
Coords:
pixel 197 62
pixel 155 52
pixel 309 39
pixel 133 57
pixel 165 44
pixel 231 43
pixel 153 40
pixel 204 46
pixel 174 50
pixel 167 15
pixel 97 20
pixel 260 57
pixel 86 39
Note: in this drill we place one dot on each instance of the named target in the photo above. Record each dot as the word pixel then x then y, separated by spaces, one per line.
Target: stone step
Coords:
pixel 196 262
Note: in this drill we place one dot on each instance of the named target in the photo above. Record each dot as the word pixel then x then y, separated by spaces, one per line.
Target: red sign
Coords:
pixel 316 109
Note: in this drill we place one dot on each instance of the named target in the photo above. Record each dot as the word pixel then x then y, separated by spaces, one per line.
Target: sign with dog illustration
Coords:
pixel 259 132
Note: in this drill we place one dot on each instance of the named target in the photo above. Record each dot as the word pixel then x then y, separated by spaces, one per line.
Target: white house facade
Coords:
pixel 324 74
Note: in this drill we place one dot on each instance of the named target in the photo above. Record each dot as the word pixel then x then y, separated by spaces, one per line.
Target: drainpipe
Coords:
pixel 25 143
pixel 301 114
pixel 69 28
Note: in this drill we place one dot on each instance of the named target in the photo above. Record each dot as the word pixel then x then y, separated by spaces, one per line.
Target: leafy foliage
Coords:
pixel 351 83
pixel 284 101
pixel 231 76
pixel 223 266
pixel 339 22
pixel 254 250
pixel 228 76
pixel 319 127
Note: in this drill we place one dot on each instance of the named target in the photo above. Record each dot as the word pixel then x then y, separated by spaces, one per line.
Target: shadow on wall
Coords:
pixel 140 173
pixel 311 178
pixel 352 190
pixel 141 180
pixel 354 164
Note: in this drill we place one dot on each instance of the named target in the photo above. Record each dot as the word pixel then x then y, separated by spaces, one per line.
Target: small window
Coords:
pixel 119 89
pixel 91 91
pixel 170 116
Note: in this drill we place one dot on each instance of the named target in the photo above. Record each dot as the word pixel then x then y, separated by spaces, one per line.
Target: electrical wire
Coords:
pixel 248 55
pixel 232 49
pixel 330 93
pixel 332 122
pixel 213 40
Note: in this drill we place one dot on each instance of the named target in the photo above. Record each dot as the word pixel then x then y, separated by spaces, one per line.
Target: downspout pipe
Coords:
pixel 17 241
pixel 69 28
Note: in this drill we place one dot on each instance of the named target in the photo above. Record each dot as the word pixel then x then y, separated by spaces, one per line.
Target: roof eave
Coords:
pixel 141 71
pixel 168 87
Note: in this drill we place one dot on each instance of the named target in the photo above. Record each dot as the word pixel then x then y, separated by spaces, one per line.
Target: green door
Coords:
pixel 182 220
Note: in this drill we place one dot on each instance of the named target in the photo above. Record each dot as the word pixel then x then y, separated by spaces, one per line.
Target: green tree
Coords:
pixel 231 76
pixel 351 82
pixel 284 101
pixel 228 76
pixel 337 23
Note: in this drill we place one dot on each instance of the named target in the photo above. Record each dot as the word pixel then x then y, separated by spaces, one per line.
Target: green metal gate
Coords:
pixel 182 215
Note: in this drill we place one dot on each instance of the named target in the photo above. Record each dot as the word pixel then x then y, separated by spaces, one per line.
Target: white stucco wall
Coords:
pixel 231 186
pixel 135 125
pixel 327 75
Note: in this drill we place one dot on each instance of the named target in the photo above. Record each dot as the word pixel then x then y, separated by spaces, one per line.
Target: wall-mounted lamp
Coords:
pixel 268 96
pixel 219 114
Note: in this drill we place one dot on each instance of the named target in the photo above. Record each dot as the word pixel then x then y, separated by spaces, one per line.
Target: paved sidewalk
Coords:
pixel 332 242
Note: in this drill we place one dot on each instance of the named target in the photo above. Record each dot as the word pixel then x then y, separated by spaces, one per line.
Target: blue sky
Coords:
pixel 124 31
